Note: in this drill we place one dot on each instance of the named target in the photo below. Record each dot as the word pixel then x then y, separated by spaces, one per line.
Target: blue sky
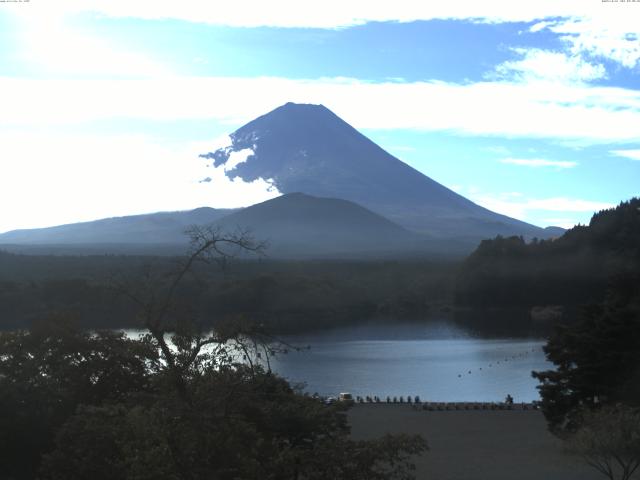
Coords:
pixel 532 110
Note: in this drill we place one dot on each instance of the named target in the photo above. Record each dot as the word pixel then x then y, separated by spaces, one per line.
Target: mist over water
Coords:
pixel 438 361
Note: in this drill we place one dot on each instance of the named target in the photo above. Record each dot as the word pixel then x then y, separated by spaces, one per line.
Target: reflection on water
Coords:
pixel 437 361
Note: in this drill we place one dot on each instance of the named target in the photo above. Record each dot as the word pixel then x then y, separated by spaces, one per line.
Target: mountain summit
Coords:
pixel 307 148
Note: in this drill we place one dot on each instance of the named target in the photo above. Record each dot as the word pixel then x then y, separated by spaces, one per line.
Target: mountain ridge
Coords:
pixel 143 228
pixel 294 225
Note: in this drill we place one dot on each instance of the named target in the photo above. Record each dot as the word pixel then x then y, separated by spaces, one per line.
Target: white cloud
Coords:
pixel 600 29
pixel 52 45
pixel 537 210
pixel 563 222
pixel 236 158
pixel 541 26
pixel 632 154
pixel 562 204
pixel 52 179
pixel 613 34
pixel 537 64
pixel 539 162
pixel 588 115
pixel 331 13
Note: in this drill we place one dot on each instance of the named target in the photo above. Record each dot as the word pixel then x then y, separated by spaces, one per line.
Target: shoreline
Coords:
pixel 454 406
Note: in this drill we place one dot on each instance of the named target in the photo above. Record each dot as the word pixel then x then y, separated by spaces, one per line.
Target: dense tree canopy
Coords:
pixel 289 296
pixel 78 405
pixel 597 359
pixel 48 372
pixel 571 270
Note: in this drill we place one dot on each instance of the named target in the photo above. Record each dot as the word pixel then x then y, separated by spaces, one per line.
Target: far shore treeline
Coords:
pixel 507 285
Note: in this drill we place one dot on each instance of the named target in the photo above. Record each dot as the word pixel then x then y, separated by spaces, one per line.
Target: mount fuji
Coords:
pixel 307 148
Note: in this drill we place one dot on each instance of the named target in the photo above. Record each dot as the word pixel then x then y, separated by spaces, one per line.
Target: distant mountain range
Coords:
pixel 344 196
pixel 293 225
pixel 153 228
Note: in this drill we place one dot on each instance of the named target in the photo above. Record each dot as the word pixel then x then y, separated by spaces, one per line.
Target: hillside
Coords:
pixel 573 269
pixel 293 225
pixel 302 225
pixel 154 228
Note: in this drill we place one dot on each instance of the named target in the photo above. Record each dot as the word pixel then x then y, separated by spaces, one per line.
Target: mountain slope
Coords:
pixel 293 225
pixel 302 225
pixel 307 148
pixel 154 228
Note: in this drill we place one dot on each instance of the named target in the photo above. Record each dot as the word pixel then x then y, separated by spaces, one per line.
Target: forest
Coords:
pixel 287 295
pixel 572 270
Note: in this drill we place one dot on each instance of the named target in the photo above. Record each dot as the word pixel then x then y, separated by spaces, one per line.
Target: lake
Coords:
pixel 437 361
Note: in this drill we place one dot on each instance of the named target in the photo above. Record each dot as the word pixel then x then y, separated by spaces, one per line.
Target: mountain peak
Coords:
pixel 307 148
pixel 302 106
pixel 291 116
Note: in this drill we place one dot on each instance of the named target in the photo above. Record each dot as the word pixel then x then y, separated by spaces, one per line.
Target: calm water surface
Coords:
pixel 438 362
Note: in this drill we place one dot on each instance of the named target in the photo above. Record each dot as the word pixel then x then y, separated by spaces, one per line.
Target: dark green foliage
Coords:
pixel 571 270
pixel 182 402
pixel 287 296
pixel 45 374
pixel 106 403
pixel 597 359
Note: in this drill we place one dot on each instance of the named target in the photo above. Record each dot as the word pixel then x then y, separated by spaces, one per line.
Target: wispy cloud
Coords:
pixel 587 115
pixel 632 154
pixel 537 64
pixel 563 204
pixel 334 13
pixel 590 30
pixel 539 162
pixel 611 34
pixel 540 210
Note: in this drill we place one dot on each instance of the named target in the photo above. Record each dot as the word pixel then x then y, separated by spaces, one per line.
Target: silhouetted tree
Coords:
pixel 597 360
pixel 609 441
pixel 48 372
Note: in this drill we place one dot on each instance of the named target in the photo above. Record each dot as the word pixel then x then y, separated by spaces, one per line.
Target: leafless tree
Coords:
pixel 609 441
pixel 191 345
